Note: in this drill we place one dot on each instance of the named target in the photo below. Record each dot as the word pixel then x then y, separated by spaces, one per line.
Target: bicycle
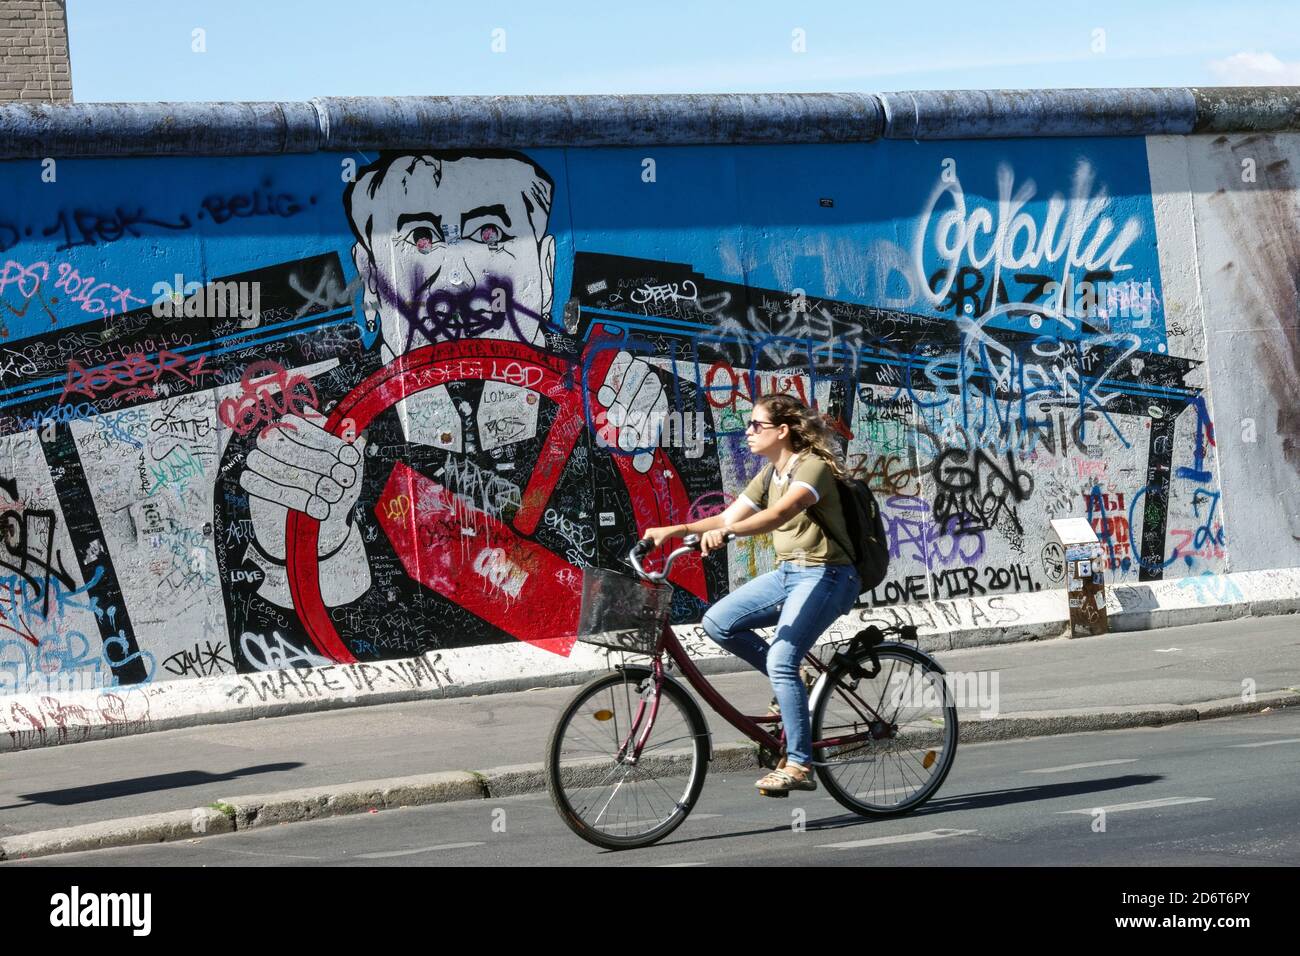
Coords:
pixel 615 789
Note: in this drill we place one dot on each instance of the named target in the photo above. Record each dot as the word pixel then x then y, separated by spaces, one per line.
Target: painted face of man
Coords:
pixel 457 249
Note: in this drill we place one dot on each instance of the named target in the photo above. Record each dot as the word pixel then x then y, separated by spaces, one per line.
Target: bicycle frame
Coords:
pixel 750 726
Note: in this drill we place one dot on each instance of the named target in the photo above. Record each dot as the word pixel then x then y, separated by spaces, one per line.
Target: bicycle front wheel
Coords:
pixel 605 794
pixel 895 734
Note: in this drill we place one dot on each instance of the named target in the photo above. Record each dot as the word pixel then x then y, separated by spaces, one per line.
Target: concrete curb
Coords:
pixel 236 814
pixel 312 803
pixel 129 831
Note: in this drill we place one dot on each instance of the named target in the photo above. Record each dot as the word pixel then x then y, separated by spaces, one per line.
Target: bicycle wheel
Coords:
pixel 901 730
pixel 604 798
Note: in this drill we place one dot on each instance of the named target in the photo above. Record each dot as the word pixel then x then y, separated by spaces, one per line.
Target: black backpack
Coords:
pixel 865 527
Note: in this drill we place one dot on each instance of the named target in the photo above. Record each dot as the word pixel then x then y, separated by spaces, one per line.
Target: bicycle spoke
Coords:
pixel 943 704
pixel 595 743
pixel 670 740
pixel 614 794
pixel 884 688
pixel 655 781
pixel 875 772
pixel 633 776
pixel 902 765
pixel 602 780
pixel 850 697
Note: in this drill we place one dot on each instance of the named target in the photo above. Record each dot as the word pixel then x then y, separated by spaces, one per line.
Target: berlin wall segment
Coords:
pixel 296 411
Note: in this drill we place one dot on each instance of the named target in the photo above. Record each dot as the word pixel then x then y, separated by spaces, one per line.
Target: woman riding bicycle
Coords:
pixel 815 582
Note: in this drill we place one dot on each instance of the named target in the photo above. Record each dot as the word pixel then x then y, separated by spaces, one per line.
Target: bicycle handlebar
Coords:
pixel 643 547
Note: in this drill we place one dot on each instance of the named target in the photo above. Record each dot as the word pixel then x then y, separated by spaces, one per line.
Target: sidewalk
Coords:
pixel 1060 686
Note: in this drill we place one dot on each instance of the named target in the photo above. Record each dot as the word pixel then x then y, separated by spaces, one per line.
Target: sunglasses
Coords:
pixel 756 426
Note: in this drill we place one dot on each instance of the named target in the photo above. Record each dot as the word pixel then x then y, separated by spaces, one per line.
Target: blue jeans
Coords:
pixel 802 602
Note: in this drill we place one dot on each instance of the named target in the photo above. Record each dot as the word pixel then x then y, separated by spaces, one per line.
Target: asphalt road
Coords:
pixel 1217 793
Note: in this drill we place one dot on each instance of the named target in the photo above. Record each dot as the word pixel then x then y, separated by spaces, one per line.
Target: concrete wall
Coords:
pixel 34 62
pixel 1006 330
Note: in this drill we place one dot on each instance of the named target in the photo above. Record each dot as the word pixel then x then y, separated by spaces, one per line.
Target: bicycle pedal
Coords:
pixel 775 794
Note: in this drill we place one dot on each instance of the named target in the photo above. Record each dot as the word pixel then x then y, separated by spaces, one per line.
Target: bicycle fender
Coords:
pixel 933 662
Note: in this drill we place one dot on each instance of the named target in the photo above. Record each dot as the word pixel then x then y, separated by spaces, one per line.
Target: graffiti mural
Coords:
pixel 399 406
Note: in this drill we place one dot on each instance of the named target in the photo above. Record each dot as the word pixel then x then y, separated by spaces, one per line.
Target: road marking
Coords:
pixel 693 816
pixel 427 849
pixel 1167 650
pixel 882 792
pixel 1269 743
pixel 283 856
pixel 699 863
pixel 1080 766
pixel 900 838
pixel 1141 805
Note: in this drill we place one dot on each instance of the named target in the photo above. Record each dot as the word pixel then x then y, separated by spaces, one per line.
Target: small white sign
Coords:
pixel 1073 531
pixel 607 519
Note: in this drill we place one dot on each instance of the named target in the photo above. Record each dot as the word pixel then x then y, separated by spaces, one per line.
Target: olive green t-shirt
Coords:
pixel 801 540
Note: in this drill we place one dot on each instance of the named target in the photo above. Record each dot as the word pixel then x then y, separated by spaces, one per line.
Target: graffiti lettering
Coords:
pixel 493 565
pixel 258 202
pixel 93 227
pixel 123 379
pixel 267 393
pixel 982 492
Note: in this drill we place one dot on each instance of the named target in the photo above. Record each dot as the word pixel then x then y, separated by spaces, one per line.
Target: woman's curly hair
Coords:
pixel 808 430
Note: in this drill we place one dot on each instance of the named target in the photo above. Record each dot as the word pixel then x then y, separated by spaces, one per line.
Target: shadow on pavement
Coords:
pixel 970 801
pixel 137 785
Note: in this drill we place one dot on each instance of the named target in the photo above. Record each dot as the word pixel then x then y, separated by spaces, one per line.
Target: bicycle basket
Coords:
pixel 622 613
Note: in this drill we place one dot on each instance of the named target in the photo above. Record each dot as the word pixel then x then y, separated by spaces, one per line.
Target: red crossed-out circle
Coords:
pixel 410 374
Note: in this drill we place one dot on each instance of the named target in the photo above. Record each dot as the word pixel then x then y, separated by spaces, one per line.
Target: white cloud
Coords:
pixel 1249 68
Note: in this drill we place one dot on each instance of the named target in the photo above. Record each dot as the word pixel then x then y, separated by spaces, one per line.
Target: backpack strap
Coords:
pixel 766 474
pixel 770 470
pixel 850 551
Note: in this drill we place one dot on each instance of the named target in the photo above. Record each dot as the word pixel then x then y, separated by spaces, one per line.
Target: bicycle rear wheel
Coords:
pixel 899 732
pixel 600 794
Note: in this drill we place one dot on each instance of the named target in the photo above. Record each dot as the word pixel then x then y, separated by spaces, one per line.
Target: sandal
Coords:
pixel 781 781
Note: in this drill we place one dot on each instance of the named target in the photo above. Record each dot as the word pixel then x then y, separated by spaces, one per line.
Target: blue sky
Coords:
pixel 140 50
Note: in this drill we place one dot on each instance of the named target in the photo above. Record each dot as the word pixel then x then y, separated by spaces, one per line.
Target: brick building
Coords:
pixel 34 62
